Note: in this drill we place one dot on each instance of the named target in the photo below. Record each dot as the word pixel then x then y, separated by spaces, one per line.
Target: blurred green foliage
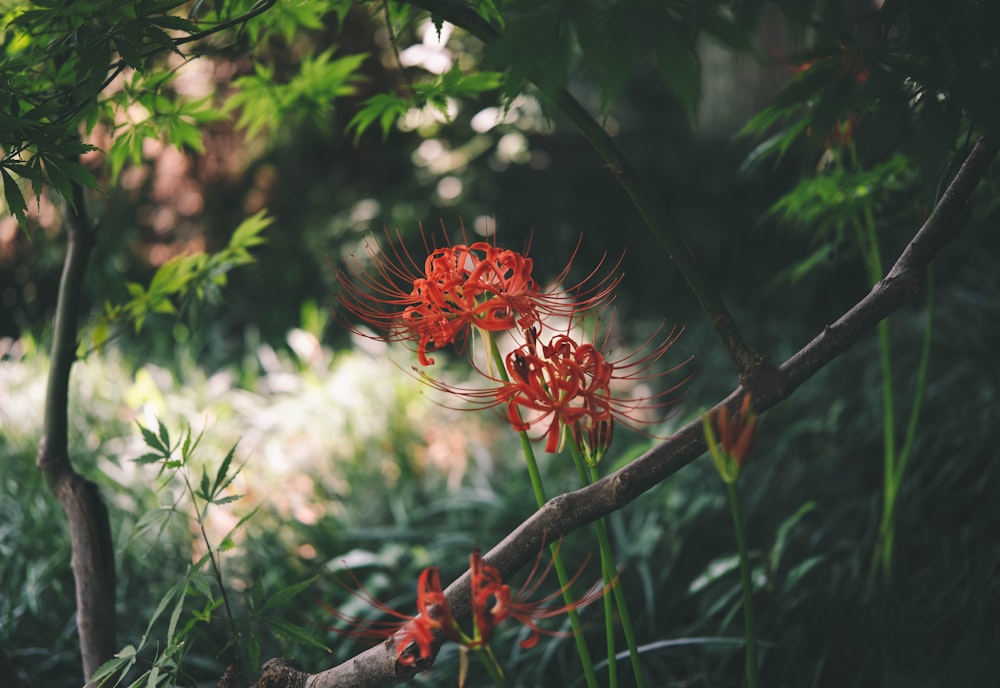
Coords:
pixel 296 119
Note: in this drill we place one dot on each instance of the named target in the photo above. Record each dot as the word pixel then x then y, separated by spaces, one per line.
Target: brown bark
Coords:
pixel 90 530
pixel 377 666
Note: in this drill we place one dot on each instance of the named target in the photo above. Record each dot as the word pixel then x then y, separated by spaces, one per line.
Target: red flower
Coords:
pixel 459 286
pixel 568 386
pixel 737 433
pixel 409 631
pixel 492 603
pixel 735 439
pixel 435 615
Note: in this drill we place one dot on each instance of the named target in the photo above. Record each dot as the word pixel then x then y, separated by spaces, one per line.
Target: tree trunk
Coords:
pixel 90 530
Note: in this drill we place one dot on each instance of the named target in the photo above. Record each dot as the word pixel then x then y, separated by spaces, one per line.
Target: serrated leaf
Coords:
pixel 13 196
pixel 175 23
pixel 163 434
pixel 201 584
pixel 227 500
pixel 384 108
pixel 151 440
pixel 247 234
pixel 221 474
pixel 122 661
pixel 128 50
pixel 175 616
pixel 205 487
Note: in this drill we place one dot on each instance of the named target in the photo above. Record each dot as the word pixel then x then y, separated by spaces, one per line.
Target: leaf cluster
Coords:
pixel 386 108
pixel 307 96
pixel 58 57
pixel 182 280
pixel 552 44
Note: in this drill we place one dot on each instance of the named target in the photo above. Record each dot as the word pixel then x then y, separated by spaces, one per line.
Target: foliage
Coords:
pixel 902 88
pixel 183 279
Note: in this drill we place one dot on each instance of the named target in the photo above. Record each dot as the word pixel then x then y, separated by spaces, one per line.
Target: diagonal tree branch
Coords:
pixel 93 559
pixel 561 515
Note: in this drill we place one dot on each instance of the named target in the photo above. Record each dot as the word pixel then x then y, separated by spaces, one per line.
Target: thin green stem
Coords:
pixel 921 388
pixel 609 573
pixel 872 258
pixel 238 655
pixel 746 582
pixel 540 498
pixel 890 486
pixel 489 661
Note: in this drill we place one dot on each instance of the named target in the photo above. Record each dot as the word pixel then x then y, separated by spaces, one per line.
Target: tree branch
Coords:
pixel 90 530
pixel 378 667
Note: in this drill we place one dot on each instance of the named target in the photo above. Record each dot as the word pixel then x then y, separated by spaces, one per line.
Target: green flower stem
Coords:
pixel 609 573
pixel 746 583
pixel 540 498
pixel 894 463
pixel 489 661
pixel 607 577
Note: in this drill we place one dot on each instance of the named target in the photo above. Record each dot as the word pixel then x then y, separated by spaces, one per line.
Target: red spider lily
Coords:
pixel 573 387
pixel 568 383
pixel 492 603
pixel 458 286
pixel 737 433
pixel 735 439
pixel 434 617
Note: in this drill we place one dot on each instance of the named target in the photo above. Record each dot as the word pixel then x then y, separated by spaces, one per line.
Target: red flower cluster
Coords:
pixel 492 604
pixel 569 386
pixel 458 287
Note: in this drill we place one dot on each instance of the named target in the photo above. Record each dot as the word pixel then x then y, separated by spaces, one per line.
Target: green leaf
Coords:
pixel 680 69
pixel 291 632
pixel 174 616
pixel 247 234
pixel 384 108
pixel 220 476
pixel 152 441
pixel 175 23
pixel 99 334
pixel 123 660
pixel 149 458
pixel 13 196
pixel 163 433
pixel 201 583
pixel 205 488
pixel 286 593
pixel 227 500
